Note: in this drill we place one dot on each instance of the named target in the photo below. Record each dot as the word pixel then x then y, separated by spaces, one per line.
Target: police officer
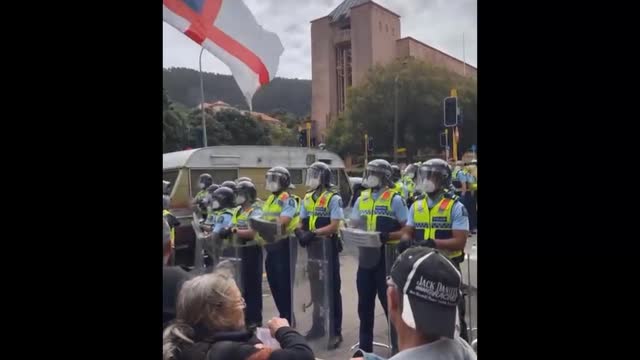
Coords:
pixel 472 178
pixel 320 217
pixel 399 187
pixel 222 203
pixel 198 203
pixel 251 252
pixel 211 214
pixel 379 208
pixel 173 224
pixel 408 177
pixel 283 208
pixel 439 220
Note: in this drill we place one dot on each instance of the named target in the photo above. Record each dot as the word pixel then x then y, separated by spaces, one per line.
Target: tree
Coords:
pixel 175 132
pixel 228 127
pixel 422 88
pixel 283 136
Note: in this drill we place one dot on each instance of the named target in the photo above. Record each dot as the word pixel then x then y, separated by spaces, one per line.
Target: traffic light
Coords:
pixel 302 138
pixel 451 111
pixel 370 144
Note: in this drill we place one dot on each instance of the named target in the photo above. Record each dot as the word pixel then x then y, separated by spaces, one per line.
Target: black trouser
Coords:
pixel 473 212
pixel 461 304
pixel 252 280
pixel 278 268
pixel 318 285
pixel 370 282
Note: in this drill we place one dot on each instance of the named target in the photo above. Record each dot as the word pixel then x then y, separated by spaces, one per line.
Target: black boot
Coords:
pixel 315 333
pixel 335 341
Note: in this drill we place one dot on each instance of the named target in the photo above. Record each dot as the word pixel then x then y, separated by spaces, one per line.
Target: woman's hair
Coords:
pixel 205 303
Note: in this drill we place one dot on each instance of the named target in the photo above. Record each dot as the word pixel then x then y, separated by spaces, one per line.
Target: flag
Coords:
pixel 229 31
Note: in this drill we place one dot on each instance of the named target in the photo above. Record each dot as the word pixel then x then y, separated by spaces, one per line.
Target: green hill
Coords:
pixel 290 95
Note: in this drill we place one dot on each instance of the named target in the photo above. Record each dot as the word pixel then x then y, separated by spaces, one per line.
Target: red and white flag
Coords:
pixel 228 30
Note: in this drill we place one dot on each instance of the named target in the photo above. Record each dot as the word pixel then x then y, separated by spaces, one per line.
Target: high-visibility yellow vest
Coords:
pixel 379 213
pixel 271 210
pixel 434 223
pixel 172 231
pixel 241 221
pixel 319 213
pixel 410 184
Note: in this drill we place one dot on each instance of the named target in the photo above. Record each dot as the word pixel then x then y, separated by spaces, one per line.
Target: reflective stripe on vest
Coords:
pixel 272 209
pixel 380 208
pixel 431 223
pixel 318 210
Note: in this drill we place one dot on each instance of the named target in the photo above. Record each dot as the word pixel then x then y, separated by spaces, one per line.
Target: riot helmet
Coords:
pixel 230 184
pixel 277 179
pixel 377 174
pixel 222 198
pixel 205 180
pixel 318 174
pixel 433 176
pixel 411 170
pixel 244 178
pixel 245 192
pixel 166 187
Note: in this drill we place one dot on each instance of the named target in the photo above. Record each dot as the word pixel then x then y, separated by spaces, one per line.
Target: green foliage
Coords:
pixel 228 127
pixel 175 129
pixel 421 90
pixel 284 136
pixel 183 86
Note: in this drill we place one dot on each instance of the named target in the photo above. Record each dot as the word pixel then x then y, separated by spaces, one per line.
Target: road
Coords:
pixel 350 321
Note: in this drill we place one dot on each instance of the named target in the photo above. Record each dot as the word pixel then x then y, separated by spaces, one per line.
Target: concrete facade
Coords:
pixel 346 43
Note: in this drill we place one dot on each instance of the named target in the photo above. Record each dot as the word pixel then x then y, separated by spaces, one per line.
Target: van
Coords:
pixel 183 169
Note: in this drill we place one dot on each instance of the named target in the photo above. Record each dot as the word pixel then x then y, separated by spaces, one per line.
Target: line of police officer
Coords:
pixel 435 218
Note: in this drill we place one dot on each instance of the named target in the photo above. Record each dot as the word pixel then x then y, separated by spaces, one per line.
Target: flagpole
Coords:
pixel 204 124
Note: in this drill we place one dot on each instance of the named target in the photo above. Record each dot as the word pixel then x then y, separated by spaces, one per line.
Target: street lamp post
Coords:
pixel 204 124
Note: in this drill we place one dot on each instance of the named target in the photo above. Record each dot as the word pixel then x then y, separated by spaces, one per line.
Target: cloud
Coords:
pixel 439 23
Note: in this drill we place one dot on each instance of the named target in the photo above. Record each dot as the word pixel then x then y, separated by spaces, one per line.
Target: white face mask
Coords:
pixel 313 183
pixel 215 204
pixel 371 182
pixel 426 186
pixel 272 186
pixel 240 200
pixel 201 186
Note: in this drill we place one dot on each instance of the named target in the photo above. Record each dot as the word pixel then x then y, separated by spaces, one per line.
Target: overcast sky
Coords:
pixel 439 23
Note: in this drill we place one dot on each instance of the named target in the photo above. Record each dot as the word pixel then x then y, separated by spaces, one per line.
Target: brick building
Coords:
pixel 346 43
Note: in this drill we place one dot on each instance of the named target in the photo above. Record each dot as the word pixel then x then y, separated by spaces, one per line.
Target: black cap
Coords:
pixel 430 287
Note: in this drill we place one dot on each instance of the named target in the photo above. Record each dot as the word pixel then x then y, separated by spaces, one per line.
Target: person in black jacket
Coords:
pixel 210 325
pixel 172 278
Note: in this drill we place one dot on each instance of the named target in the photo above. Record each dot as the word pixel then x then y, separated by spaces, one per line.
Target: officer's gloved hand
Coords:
pixel 427 243
pixel 307 238
pixel 384 237
pixel 299 233
pixel 224 233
